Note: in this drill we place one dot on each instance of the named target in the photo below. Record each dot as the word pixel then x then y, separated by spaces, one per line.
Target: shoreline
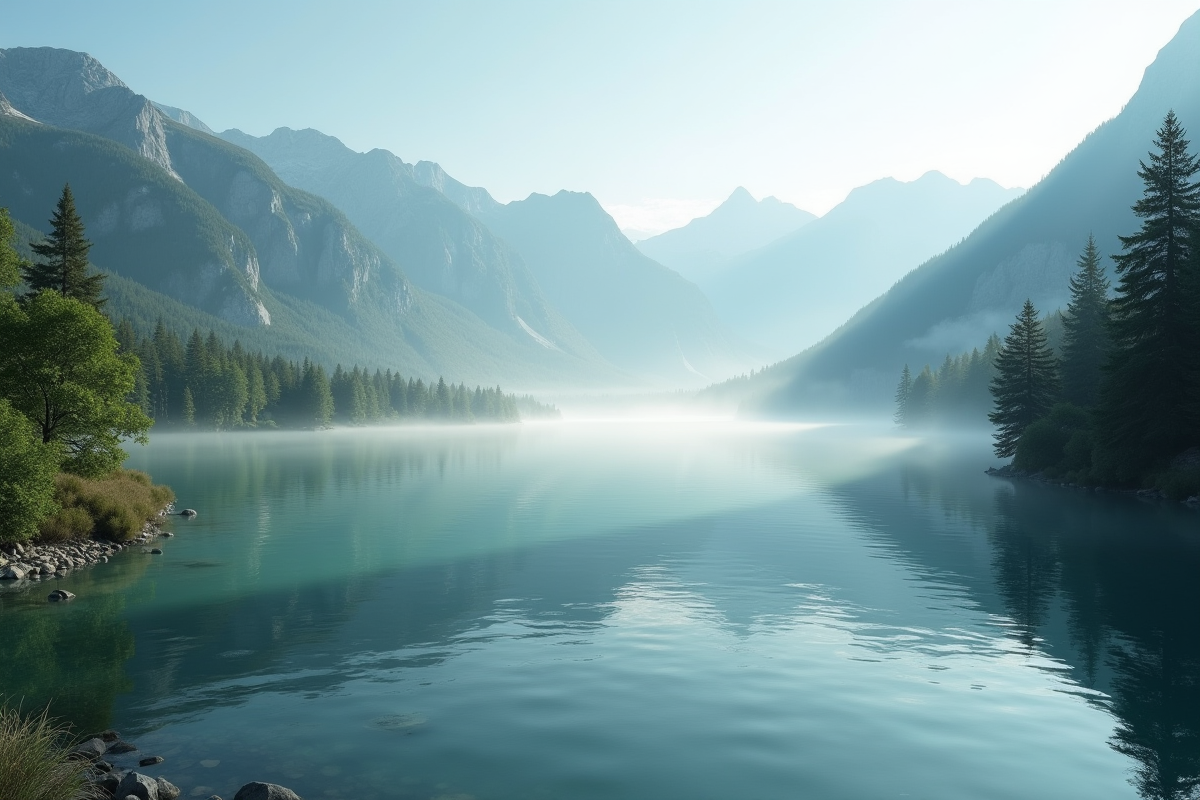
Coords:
pixel 26 565
pixel 1007 471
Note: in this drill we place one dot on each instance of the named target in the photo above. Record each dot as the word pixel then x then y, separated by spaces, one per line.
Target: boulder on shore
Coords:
pixel 92 749
pixel 138 785
pixel 265 791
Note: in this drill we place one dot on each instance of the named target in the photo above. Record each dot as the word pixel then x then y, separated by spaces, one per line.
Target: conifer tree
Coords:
pixel 1145 411
pixel 903 392
pixel 1085 330
pixel 1026 383
pixel 62 264
pixel 10 263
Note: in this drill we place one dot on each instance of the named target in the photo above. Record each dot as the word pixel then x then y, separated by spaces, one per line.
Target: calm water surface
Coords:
pixel 633 610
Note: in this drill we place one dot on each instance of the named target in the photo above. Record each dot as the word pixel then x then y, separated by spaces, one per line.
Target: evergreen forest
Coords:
pixel 1107 393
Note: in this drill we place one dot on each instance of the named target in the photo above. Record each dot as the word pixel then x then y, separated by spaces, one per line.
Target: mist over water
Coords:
pixel 634 608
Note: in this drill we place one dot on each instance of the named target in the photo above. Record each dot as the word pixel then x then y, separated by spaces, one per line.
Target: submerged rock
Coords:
pixel 265 791
pixel 121 747
pixel 150 761
pixel 188 512
pixel 60 595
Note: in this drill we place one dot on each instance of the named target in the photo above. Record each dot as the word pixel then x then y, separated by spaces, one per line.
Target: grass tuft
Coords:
pixel 114 507
pixel 34 760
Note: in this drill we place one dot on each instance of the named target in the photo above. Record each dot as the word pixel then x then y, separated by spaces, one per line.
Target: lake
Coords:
pixel 632 609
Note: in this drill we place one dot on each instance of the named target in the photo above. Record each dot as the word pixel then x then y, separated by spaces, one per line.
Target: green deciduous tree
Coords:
pixel 1085 330
pixel 62 264
pixel 1146 416
pixel 60 368
pixel 27 468
pixel 1026 382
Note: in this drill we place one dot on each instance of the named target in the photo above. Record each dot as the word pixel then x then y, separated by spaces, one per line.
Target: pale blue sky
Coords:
pixel 658 108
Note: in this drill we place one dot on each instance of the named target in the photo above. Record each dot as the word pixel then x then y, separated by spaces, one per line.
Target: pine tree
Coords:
pixel 1085 330
pixel 903 392
pixel 1145 413
pixel 62 265
pixel 10 263
pixel 1026 383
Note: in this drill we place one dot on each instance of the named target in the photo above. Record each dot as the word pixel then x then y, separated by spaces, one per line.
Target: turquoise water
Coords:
pixel 655 609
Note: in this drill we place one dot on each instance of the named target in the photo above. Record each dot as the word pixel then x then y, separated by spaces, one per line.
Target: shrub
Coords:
pixel 27 470
pixel 1044 444
pixel 116 505
pixel 34 761
pixel 68 523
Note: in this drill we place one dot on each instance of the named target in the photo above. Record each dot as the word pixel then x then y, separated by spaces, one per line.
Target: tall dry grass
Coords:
pixel 34 760
pixel 114 507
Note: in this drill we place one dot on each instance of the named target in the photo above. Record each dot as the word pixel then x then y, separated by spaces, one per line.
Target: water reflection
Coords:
pixel 644 614
pixel 1108 585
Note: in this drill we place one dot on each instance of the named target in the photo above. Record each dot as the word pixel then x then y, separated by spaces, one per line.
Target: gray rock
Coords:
pixel 150 761
pixel 102 766
pixel 156 551
pixel 14 572
pixel 92 749
pixel 121 747
pixel 167 790
pixel 188 512
pixel 60 595
pixel 107 783
pixel 264 791
pixel 138 785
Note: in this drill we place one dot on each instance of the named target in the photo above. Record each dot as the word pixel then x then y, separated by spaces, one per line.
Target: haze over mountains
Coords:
pixel 546 268
pixel 792 292
pixel 737 226
pixel 1027 249
pixel 299 245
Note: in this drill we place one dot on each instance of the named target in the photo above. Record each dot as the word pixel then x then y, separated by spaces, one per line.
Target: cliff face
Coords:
pixel 143 222
pixel 442 248
pixel 73 90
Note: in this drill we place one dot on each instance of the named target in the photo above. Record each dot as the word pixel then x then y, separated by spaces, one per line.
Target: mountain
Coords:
pixel 737 226
pixel 441 247
pixel 792 292
pixel 205 222
pixel 1027 249
pixel 640 315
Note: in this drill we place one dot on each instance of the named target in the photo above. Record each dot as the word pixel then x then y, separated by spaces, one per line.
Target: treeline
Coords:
pixel 206 383
pixel 958 392
pixel 1119 404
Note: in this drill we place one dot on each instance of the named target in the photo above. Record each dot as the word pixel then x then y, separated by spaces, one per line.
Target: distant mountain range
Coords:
pixel 794 291
pixel 740 224
pixel 191 219
pixel 555 270
pixel 1026 249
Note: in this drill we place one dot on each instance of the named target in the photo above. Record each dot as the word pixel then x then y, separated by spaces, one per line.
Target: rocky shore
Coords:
pixel 114 774
pixel 23 565
pixel 1007 471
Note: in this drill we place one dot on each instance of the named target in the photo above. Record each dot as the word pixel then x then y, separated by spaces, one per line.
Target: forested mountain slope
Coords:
pixel 209 224
pixel 639 314
pixel 1027 249
pixel 442 248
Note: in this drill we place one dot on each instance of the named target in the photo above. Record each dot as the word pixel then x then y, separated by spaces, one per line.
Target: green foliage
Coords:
pixel 1147 404
pixel 62 265
pixel 1043 445
pixel 118 504
pixel 69 523
pixel 34 759
pixel 1085 330
pixel 956 394
pixel 27 468
pixel 61 369
pixel 1026 384
pixel 10 261
pixel 903 393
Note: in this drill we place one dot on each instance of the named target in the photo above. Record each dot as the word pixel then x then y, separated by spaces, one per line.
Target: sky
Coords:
pixel 659 109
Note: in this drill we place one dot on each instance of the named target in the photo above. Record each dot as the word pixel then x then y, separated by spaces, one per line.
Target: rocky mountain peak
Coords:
pixel 69 89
